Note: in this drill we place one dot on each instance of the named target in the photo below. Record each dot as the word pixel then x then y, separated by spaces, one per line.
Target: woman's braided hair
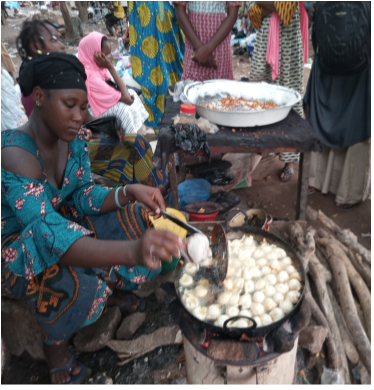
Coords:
pixel 31 33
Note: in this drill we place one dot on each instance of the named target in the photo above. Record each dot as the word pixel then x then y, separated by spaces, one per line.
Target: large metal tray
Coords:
pixel 201 91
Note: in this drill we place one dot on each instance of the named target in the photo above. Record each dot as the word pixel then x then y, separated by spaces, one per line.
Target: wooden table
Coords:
pixel 187 159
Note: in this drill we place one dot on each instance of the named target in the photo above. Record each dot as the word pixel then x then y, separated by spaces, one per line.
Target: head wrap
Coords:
pixel 52 71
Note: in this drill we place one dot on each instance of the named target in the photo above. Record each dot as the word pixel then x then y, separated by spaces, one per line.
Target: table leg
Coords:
pixel 302 186
pixel 182 168
pixel 173 181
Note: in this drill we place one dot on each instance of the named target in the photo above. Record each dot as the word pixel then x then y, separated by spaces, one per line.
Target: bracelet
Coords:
pixel 124 190
pixel 116 199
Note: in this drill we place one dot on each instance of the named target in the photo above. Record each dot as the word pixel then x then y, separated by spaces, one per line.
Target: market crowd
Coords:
pixel 84 243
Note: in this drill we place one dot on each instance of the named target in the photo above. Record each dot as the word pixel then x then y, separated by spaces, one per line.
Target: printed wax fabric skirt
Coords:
pixel 130 162
pixel 67 298
pixel 157 49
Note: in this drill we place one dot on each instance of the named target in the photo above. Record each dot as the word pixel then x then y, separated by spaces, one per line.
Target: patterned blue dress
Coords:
pixel 39 222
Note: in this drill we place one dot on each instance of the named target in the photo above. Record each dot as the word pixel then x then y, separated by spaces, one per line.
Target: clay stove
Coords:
pixel 216 359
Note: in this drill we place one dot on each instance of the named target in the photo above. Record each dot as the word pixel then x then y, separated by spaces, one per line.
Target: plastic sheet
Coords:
pixel 190 138
pixel 108 125
pixel 178 94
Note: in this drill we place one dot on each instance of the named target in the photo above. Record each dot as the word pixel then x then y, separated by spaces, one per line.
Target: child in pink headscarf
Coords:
pixel 105 97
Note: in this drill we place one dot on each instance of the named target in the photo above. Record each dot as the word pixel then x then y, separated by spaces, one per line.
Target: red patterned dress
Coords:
pixel 205 18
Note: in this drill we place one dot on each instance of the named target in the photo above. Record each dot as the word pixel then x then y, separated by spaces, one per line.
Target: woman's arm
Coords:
pixel 268 5
pixel 102 61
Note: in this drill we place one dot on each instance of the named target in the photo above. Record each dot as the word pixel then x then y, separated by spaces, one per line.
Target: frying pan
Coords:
pixel 252 331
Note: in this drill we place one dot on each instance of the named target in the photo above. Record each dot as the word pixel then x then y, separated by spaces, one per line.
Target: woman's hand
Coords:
pixel 204 58
pixel 157 245
pixel 102 60
pixel 87 134
pixel 127 98
pixel 150 196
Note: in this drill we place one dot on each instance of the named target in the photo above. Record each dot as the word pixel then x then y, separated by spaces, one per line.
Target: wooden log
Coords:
pixel 360 315
pixel 319 317
pixel 364 375
pixel 348 306
pixel 345 236
pixel 326 307
pixel 349 347
pixel 361 267
pixel 354 277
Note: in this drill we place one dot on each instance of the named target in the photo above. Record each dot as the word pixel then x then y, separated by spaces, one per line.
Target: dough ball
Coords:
pixel 231 271
pixel 293 296
pixel 224 297
pixel 249 286
pixel 237 264
pixel 248 240
pixel 200 312
pixel 281 288
pixel 296 275
pixel 285 262
pixel 291 269
pixel 269 304
pixel 214 311
pixel 275 265
pixel 256 273
pixel 190 301
pixel 286 306
pixel 232 311
pixel 234 300
pixel 294 284
pixel 272 255
pixel 258 253
pixel 186 280
pixel 276 314
pixel 245 313
pixel 210 253
pixel 278 297
pixel 258 296
pixel 238 284
pixel 236 243
pixel 257 309
pixel 203 282
pixel 271 279
pixel 257 320
pixel 228 284
pixel 265 247
pixel 241 323
pixel 281 253
pixel 247 273
pixel 245 253
pixel 261 262
pixel 198 248
pixel 269 291
pixel 221 320
pixel 266 319
pixel 200 291
pixel 265 270
pixel 250 263
pixel 245 301
pixel 282 277
pixel 191 268
pixel 260 284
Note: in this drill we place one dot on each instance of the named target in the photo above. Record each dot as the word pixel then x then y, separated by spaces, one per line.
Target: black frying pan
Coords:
pixel 252 331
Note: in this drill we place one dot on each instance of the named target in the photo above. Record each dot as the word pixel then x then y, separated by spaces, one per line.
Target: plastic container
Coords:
pixel 165 224
pixel 187 113
pixel 211 210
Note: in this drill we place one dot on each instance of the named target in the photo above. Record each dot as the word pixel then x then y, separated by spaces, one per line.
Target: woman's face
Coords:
pixel 51 39
pixel 106 49
pixel 63 111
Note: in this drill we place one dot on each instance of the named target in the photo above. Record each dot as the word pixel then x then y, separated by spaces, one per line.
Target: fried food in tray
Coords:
pixel 239 104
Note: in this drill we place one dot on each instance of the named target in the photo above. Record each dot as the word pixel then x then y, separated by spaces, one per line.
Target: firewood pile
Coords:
pixel 338 292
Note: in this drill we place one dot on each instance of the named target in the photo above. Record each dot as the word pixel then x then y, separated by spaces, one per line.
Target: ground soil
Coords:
pixel 267 191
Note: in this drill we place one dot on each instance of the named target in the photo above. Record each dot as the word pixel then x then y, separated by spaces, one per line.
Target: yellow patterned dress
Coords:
pixel 157 48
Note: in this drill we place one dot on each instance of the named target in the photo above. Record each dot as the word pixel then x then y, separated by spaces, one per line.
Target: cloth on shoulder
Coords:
pixel 52 71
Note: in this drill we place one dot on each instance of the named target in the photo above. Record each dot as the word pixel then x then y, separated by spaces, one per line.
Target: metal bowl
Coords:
pixel 200 92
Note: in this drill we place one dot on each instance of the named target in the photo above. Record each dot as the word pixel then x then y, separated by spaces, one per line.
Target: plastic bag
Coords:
pixel 206 126
pixel 219 178
pixel 190 138
pixel 191 191
pixel 332 377
pixel 178 94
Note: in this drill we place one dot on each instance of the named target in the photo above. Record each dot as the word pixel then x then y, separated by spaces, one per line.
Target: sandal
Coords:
pixel 75 379
pixel 286 171
pixel 345 206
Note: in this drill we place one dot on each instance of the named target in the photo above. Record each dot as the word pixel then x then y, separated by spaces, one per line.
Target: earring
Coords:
pixel 37 104
pixel 39 52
